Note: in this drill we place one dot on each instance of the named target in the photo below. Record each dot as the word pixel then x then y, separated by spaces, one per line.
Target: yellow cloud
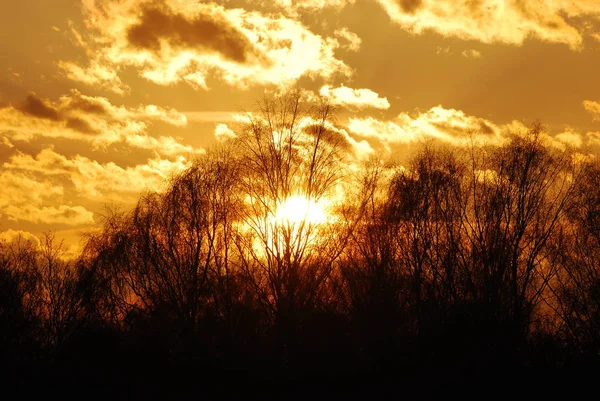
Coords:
pixel 94 74
pixel 63 214
pixel 359 98
pixel 190 41
pixel 593 138
pixel 25 198
pixel 6 142
pixel 95 120
pixel 448 125
pixel 223 132
pixel 497 21
pixel 471 53
pixel 20 188
pixel 11 235
pixel 568 138
pixel 353 41
pixel 593 108
pixel 294 5
pixel 95 180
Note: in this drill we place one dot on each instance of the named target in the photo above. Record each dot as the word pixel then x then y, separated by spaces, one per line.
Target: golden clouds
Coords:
pixel 452 127
pixel 95 180
pixel 223 132
pixel 593 108
pixel 26 198
pixel 51 189
pixel 11 235
pixel 95 74
pixel 92 119
pixel 356 98
pixel 448 125
pixel 497 21
pixel 191 42
pixel 353 41
pixel 63 214
pixel 312 4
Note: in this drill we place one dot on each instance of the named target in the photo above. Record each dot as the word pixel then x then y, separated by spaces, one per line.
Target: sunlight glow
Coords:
pixel 298 209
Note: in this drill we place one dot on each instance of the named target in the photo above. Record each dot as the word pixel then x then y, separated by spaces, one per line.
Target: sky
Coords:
pixel 101 100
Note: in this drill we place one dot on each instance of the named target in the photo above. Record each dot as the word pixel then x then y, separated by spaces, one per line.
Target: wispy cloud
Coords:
pixel 593 108
pixel 353 41
pixel 356 98
pixel 93 119
pixel 94 180
pixel 509 22
pixel 447 125
pixel 26 198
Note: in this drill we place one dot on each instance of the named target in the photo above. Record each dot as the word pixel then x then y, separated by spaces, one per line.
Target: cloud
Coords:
pixel 20 188
pixel 36 107
pixel 95 180
pixel 6 142
pixel 223 132
pixel 569 138
pixel 358 98
pixel 95 120
pixel 471 53
pixel 63 214
pixel 206 32
pixel 453 127
pixel 100 106
pixel 192 41
pixel 357 149
pixel 25 198
pixel 11 235
pixel 352 39
pixel 95 74
pixel 448 125
pixel 593 108
pixel 593 138
pixel 312 5
pixel 510 22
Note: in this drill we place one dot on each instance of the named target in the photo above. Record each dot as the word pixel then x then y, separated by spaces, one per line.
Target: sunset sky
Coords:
pixel 102 99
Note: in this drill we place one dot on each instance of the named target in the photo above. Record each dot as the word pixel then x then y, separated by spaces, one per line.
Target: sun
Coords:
pixel 297 209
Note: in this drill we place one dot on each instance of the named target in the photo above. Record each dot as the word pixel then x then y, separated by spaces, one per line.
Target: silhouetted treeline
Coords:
pixel 477 265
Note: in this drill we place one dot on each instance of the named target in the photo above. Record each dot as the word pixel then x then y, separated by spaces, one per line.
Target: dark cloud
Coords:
pixel 206 32
pixel 410 6
pixel 476 127
pixel 332 137
pixel 485 128
pixel 88 106
pixel 80 125
pixel 36 107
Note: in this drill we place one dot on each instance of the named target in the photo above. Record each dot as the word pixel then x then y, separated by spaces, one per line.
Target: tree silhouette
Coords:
pixel 577 285
pixel 459 264
pixel 287 150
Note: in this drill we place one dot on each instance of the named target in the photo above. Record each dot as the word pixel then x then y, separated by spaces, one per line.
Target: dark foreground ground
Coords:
pixel 115 376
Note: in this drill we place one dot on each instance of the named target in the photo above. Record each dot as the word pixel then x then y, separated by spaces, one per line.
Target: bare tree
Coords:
pixel 57 302
pixel 517 196
pixel 170 257
pixel 577 286
pixel 288 150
